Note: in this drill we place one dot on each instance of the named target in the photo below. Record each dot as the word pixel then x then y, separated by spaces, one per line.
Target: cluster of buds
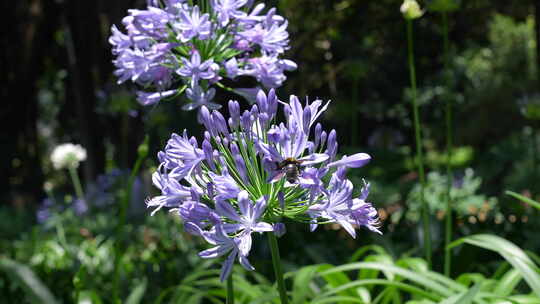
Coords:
pixel 251 172
pixel 174 46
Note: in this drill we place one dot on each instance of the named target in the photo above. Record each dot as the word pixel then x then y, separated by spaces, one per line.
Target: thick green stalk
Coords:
pixel 449 148
pixel 230 290
pixel 278 271
pixel 76 182
pixel 418 138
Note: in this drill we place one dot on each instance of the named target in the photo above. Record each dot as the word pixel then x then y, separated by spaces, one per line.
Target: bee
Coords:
pixel 290 168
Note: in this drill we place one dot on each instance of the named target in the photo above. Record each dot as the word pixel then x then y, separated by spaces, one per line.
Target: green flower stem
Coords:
pixel 418 137
pixel 230 290
pixel 534 142
pixel 76 182
pixel 276 261
pixel 449 148
pixel 124 204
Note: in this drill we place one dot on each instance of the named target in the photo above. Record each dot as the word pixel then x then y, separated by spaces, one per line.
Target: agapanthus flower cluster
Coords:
pixel 173 46
pixel 250 172
pixel 68 155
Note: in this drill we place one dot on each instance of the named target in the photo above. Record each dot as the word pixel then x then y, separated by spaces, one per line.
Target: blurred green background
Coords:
pixel 58 87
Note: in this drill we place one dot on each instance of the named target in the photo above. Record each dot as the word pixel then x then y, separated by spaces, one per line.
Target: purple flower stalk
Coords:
pixel 173 46
pixel 253 171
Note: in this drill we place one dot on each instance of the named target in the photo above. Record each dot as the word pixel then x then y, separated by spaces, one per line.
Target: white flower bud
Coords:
pixel 411 10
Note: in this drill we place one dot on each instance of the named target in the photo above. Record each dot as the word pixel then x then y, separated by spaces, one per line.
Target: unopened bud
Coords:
pixel 411 10
pixel 143 148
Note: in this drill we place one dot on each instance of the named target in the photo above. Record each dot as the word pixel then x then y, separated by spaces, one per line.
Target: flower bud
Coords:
pixel 411 10
pixel 279 229
pixel 143 148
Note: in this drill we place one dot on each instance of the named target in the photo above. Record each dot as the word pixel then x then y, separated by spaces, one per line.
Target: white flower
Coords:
pixel 67 156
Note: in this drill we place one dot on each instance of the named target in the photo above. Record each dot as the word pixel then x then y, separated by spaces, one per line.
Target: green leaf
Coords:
pixel 137 294
pixel 507 283
pixel 362 251
pixel 28 280
pixel 510 252
pixel 418 278
pixel 465 298
pixel 525 299
pixel 89 296
pixel 335 278
pixel 412 290
pixel 524 199
pixel 342 299
pixel 302 279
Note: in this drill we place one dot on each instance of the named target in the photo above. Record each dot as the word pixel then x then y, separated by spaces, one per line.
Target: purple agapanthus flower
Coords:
pixel 173 46
pixel 200 98
pixel 221 190
pixel 193 24
pixel 227 9
pixel 223 245
pixel 270 35
pixel 245 223
pixel 195 70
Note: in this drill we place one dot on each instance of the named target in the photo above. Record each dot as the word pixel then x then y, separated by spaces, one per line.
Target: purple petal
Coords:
pixel 244 262
pixel 227 266
pixel 314 158
pixel 225 209
pixel 244 203
pixel 354 161
pixel 348 227
pixel 262 227
pixel 214 252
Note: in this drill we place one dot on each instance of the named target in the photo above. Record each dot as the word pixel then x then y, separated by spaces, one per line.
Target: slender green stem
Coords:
pixel 276 262
pixel 76 182
pixel 534 151
pixel 418 138
pixel 230 290
pixel 124 204
pixel 449 148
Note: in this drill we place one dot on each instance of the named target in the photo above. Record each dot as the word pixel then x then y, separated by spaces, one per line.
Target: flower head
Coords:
pixel 173 47
pixel 68 155
pixel 222 190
